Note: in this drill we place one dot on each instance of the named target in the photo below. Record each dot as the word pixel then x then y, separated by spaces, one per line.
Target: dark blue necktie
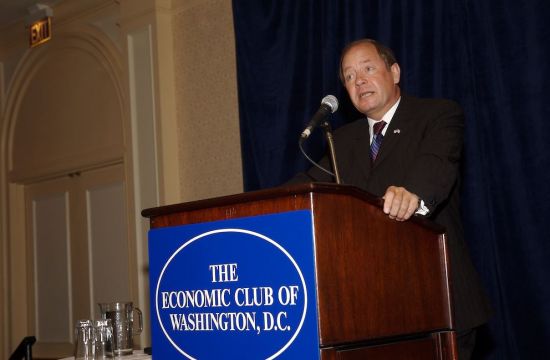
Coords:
pixel 376 139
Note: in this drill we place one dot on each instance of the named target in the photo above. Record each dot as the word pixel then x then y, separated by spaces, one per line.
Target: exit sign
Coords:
pixel 40 31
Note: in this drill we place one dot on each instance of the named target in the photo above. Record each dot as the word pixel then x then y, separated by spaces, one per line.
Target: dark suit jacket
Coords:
pixel 421 152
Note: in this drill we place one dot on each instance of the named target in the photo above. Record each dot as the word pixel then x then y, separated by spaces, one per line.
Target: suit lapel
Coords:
pixel 397 129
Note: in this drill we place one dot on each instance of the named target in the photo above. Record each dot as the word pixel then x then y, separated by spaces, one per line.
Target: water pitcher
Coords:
pixel 121 315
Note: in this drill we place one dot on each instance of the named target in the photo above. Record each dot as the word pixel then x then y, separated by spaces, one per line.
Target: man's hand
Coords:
pixel 399 203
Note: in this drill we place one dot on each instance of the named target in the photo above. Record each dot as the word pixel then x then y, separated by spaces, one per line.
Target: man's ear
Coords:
pixel 396 73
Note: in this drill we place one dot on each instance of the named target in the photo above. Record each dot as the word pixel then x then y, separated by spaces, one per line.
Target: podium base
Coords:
pixel 436 346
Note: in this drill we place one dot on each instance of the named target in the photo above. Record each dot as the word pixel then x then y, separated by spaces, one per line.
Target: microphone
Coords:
pixel 329 105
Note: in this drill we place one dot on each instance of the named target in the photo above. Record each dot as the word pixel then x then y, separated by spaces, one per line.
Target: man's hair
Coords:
pixel 385 53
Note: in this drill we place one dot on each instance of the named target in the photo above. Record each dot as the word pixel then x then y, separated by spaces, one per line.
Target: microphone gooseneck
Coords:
pixel 329 105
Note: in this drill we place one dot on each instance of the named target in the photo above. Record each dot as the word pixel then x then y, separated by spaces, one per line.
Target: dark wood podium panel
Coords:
pixel 436 346
pixel 379 277
pixel 376 278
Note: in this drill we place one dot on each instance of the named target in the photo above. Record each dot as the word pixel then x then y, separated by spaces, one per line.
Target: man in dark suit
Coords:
pixel 407 150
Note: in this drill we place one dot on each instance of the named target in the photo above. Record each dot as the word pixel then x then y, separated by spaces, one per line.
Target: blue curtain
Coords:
pixel 489 55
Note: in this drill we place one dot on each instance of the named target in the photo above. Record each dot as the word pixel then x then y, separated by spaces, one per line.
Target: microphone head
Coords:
pixel 331 102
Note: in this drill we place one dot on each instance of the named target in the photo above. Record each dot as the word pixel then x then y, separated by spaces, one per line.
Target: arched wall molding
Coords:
pixel 79 37
pixel 98 45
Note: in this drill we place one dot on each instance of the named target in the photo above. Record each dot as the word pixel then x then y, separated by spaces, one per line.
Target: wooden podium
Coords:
pixel 382 286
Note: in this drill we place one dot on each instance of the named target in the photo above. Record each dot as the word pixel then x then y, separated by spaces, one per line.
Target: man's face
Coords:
pixel 371 86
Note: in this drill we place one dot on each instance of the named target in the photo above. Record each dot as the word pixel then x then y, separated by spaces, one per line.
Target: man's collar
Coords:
pixel 387 116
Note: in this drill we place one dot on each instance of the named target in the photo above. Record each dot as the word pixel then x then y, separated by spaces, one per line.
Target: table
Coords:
pixel 137 355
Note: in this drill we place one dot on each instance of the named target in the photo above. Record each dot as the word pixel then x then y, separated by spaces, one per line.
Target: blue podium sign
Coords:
pixel 235 289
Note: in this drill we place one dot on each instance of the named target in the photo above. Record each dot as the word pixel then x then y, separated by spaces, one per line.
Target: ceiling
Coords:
pixel 14 10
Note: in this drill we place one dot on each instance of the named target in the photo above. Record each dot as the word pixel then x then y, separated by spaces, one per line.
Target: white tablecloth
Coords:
pixel 137 355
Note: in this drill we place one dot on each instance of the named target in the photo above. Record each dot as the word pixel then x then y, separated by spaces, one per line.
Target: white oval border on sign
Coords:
pixel 263 237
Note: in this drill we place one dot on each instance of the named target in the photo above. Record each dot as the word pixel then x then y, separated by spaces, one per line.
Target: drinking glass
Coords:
pixel 84 345
pixel 103 339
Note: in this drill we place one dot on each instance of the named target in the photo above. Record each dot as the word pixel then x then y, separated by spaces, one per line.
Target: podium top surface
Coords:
pixel 265 194
pixel 294 190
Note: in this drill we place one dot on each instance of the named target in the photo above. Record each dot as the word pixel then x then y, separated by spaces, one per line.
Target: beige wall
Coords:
pixel 204 51
pixel 86 99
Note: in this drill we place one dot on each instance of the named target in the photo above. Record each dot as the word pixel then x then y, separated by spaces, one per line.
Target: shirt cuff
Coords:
pixel 422 209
